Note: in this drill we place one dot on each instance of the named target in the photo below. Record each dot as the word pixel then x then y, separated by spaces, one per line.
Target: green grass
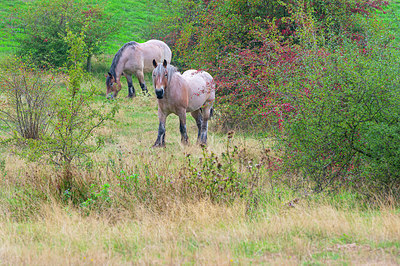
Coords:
pixel 7 42
pixel 136 17
pixel 392 18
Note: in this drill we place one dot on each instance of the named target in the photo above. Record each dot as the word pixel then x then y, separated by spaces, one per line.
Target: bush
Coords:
pixel 65 124
pixel 29 95
pixel 75 119
pixel 346 120
pixel 44 26
pixel 248 45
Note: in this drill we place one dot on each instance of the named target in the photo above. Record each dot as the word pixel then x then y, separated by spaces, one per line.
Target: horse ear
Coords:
pixel 165 63
pixel 154 63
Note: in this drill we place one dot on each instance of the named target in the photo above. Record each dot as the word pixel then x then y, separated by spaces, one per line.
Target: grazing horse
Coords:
pixel 193 91
pixel 135 59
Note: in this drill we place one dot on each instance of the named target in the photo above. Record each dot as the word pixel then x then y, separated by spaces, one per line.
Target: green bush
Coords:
pixel 346 120
pixel 66 120
pixel 75 119
pixel 43 26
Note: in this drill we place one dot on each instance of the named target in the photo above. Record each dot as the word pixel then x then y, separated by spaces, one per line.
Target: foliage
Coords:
pixel 246 44
pixel 44 28
pixel 232 176
pixel 75 119
pixel 346 120
pixel 72 122
pixel 96 199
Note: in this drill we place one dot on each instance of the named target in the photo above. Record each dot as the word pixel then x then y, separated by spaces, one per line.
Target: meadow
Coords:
pixel 142 205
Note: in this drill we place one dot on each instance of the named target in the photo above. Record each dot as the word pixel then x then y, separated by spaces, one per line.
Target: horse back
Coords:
pixel 201 88
pixel 154 50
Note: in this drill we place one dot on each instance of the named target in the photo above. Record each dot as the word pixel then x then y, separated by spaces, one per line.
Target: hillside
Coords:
pixel 135 16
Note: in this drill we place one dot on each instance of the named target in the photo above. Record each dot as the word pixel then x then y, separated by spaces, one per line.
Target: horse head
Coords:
pixel 160 78
pixel 112 90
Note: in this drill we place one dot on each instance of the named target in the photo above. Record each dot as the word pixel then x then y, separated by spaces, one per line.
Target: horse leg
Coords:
pixel 197 116
pixel 204 126
pixel 131 89
pixel 142 83
pixel 160 142
pixel 182 127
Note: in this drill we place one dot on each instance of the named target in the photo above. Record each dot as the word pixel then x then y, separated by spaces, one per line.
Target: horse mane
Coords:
pixel 118 56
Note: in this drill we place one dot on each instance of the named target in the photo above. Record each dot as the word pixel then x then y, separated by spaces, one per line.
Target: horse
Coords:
pixel 135 59
pixel 193 91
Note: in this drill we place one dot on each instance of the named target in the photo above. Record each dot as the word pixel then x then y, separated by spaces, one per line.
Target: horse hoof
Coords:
pixel 131 96
pixel 202 144
pixel 158 146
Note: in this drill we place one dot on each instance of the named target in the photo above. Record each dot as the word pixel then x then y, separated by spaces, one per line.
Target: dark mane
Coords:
pixel 118 56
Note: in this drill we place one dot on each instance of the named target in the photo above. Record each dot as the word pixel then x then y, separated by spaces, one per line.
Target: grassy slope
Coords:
pixel 6 7
pixel 135 15
pixel 392 18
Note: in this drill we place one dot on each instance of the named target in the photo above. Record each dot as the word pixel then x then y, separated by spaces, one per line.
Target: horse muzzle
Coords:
pixel 159 93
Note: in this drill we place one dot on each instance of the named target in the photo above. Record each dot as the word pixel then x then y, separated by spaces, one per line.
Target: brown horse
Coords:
pixel 135 59
pixel 193 91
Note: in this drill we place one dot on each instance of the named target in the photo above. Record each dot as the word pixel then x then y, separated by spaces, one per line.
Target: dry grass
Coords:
pixel 204 233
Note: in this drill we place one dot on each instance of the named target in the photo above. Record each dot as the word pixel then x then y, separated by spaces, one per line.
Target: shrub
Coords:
pixel 44 26
pixel 75 119
pixel 248 45
pixel 69 129
pixel 28 104
pixel 346 120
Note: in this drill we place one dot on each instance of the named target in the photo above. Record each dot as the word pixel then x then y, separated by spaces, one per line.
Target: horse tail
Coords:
pixel 211 112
